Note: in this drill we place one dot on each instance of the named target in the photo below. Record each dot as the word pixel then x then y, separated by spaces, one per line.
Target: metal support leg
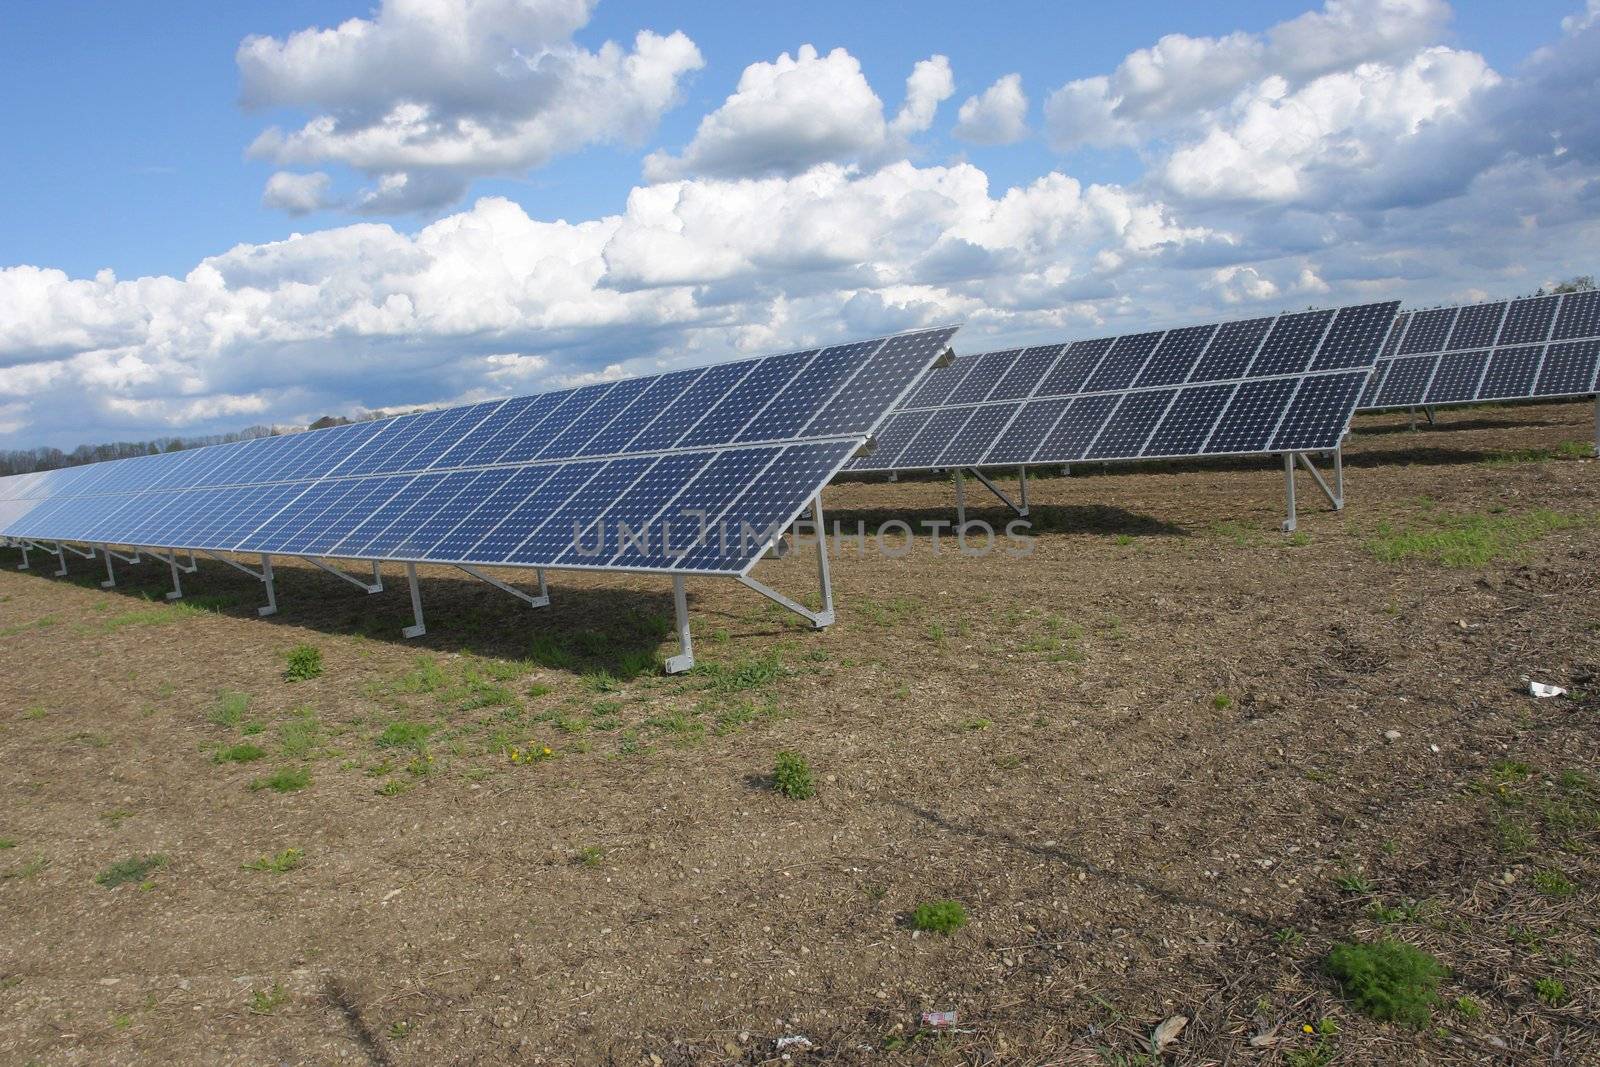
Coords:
pixel 176 592
pixel 1288 488
pixel 61 557
pixel 24 565
pixel 377 577
pixel 1413 414
pixel 416 604
pixel 540 601
pixel 271 606
pixel 1596 438
pixel 1338 474
pixel 961 500
pixel 1428 411
pixel 1021 509
pixel 680 602
pixel 111 575
pixel 1022 487
pixel 818 619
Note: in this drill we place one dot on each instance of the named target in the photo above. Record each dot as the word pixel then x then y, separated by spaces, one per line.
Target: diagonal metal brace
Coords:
pixel 374 586
pixel 540 601
pixel 1020 508
pixel 818 619
pixel 1336 499
pixel 264 576
pixel 80 552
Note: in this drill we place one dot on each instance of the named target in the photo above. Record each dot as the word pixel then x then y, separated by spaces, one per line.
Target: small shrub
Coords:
pixel 791 776
pixel 282 863
pixel 266 1001
pixel 287 780
pixel 940 916
pixel 1389 980
pixel 304 663
pixel 1553 991
pixel 230 709
pixel 1553 884
pixel 244 752
pixel 132 869
pixel 590 855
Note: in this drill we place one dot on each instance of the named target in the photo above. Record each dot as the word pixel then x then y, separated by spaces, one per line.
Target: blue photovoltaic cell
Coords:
pixel 924 449
pixel 1320 411
pixel 1252 416
pixel 1392 345
pixel 1354 336
pixel 1123 363
pixel 632 510
pixel 1579 317
pixel 1025 374
pixel 977 435
pixel 1074 367
pixel 674 530
pixel 661 392
pixel 575 438
pixel 394 488
pixel 1076 428
pixel 1176 356
pixel 1528 320
pixel 1125 433
pixel 1568 368
pixel 1231 350
pixel 1457 377
pixel 522 511
pixel 986 373
pixel 878 383
pixel 737 408
pixel 1189 421
pixel 1428 330
pixel 1369 394
pixel 456 544
pixel 753 520
pixel 1290 344
pixel 1027 431
pixel 896 434
pixel 690 407
pixel 1407 380
pixel 1476 327
pixel 937 385
pixel 1512 372
pixel 555 534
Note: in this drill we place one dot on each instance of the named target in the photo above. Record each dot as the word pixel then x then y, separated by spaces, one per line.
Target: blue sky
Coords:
pixel 1217 159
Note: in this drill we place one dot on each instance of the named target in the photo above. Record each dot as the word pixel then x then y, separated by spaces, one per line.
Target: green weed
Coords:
pixel 282 863
pixel 1463 541
pixel 230 709
pixel 302 663
pixel 939 916
pixel 791 776
pixel 1389 980
pixel 240 753
pixel 132 869
pixel 287 780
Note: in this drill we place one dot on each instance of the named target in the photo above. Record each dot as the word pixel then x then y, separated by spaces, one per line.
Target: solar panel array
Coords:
pixel 548 480
pixel 1283 384
pixel 1540 346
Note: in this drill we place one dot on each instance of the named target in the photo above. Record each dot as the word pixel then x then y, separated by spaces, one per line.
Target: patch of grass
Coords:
pixel 403 733
pixel 393 788
pixel 1553 991
pixel 267 1001
pixel 7 842
pixel 1288 937
pixel 27 870
pixel 300 735
pixel 1353 883
pixel 791 776
pixel 939 916
pixel 243 752
pixel 546 651
pixel 1464 541
pixel 35 712
pixel 590 856
pixel 425 676
pixel 1388 980
pixel 1565 450
pixel 230 709
pixel 282 863
pixel 1222 701
pixel 286 780
pixel 132 869
pixel 1467 1008
pixel 1407 911
pixel 1514 836
pixel 539 689
pixel 757 672
pixel 1553 884
pixel 302 663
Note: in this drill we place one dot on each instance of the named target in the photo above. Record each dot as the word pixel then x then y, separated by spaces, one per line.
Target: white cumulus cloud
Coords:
pixel 297 194
pixel 427 95
pixel 998 116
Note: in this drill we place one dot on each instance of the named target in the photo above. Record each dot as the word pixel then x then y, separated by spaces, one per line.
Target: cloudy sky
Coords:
pixel 216 216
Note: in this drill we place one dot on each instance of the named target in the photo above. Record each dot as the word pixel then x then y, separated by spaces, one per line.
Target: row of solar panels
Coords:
pixel 1541 346
pixel 595 477
pixel 1262 385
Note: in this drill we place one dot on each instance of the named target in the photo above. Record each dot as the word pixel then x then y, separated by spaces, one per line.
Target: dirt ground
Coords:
pixel 1150 761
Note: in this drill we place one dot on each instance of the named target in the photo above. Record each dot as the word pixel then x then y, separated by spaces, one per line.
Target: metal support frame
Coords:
pixel 684 660
pixel 1020 506
pixel 25 565
pixel 1335 494
pixel 374 586
pixel 1597 424
pixel 264 576
pixel 542 600
pixel 111 575
pixel 416 604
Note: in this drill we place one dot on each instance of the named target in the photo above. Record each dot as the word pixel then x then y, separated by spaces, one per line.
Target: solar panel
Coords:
pixel 1283 384
pixel 1538 346
pixel 744 444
